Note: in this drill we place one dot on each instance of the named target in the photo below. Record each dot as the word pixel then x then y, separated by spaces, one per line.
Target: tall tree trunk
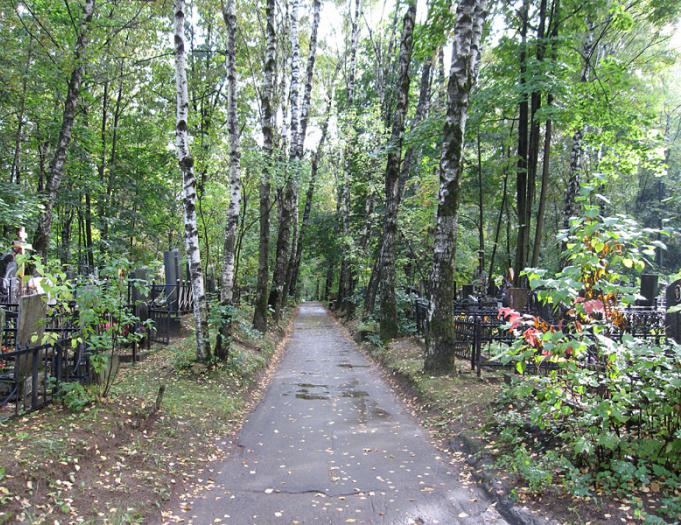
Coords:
pixel 470 16
pixel 288 204
pixel 481 215
pixel 260 314
pixel 309 196
pixel 523 122
pixel 41 241
pixel 577 151
pixel 548 130
pixel 186 162
pixel 410 159
pixel 345 273
pixel 535 131
pixel 389 327
pixel 296 246
pixel 229 252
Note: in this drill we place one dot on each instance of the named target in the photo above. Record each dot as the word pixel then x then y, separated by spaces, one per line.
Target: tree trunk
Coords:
pixel 470 16
pixel 41 241
pixel 345 274
pixel 288 205
pixel 186 162
pixel 260 314
pixel 389 327
pixel 410 159
pixel 548 130
pixel 577 151
pixel 521 178
pixel 296 246
pixel 535 131
pixel 229 252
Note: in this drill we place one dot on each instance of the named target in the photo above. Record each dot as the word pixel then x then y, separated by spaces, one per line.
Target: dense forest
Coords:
pixel 378 156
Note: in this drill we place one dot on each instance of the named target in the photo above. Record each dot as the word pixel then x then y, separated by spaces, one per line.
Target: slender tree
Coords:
pixel 288 201
pixel 229 252
pixel 184 157
pixel 266 94
pixel 41 241
pixel 523 145
pixel 388 319
pixel 345 273
pixel 297 152
pixel 470 16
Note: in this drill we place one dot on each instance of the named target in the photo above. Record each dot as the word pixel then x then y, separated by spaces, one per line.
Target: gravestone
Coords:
pixel 467 290
pixel 517 297
pixel 171 263
pixel 648 290
pixel 30 330
pixel 673 320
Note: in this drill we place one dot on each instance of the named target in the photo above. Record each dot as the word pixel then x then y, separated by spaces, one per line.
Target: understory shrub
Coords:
pixel 591 407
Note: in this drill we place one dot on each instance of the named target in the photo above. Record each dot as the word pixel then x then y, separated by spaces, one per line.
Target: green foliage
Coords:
pixel 74 396
pixel 602 411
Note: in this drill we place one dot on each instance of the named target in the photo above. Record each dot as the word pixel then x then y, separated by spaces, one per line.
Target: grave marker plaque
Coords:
pixel 673 320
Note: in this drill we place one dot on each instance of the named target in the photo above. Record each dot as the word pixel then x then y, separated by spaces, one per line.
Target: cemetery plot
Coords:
pixel 479 328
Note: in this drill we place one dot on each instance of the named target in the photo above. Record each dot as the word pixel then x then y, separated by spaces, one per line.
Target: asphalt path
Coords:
pixel 330 443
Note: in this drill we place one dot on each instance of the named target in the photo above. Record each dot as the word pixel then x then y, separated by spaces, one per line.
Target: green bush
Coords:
pixel 602 412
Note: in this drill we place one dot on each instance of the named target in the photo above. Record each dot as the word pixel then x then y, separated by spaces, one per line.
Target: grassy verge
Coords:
pixel 119 461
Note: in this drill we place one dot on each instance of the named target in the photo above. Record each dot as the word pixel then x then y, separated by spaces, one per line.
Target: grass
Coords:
pixel 119 461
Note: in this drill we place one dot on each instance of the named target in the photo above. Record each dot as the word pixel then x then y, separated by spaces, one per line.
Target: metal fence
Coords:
pixel 30 377
pixel 478 334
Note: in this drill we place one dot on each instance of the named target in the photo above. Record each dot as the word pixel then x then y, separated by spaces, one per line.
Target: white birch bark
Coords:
pixel 186 162
pixel 227 290
pixel 234 209
pixel 297 153
pixel 470 16
pixel 289 194
pixel 260 313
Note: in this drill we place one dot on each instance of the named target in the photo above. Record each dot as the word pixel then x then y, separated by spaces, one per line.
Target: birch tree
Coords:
pixel 288 202
pixel 470 16
pixel 41 241
pixel 388 320
pixel 186 162
pixel 297 153
pixel 345 275
pixel 260 314
pixel 229 254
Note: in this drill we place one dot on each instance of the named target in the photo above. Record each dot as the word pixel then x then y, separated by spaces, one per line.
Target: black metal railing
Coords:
pixel 30 377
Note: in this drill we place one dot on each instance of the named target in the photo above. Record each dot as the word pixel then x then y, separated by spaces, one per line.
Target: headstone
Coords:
pixel 648 290
pixel 171 263
pixel 493 289
pixel 467 290
pixel 673 320
pixel 517 297
pixel 30 329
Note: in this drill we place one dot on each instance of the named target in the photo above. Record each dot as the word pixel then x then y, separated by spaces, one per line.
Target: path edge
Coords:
pixel 470 449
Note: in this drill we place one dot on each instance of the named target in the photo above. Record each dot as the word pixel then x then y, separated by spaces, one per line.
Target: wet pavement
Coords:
pixel 330 443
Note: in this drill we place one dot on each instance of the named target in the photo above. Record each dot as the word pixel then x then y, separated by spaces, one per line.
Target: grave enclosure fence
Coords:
pixel 478 334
